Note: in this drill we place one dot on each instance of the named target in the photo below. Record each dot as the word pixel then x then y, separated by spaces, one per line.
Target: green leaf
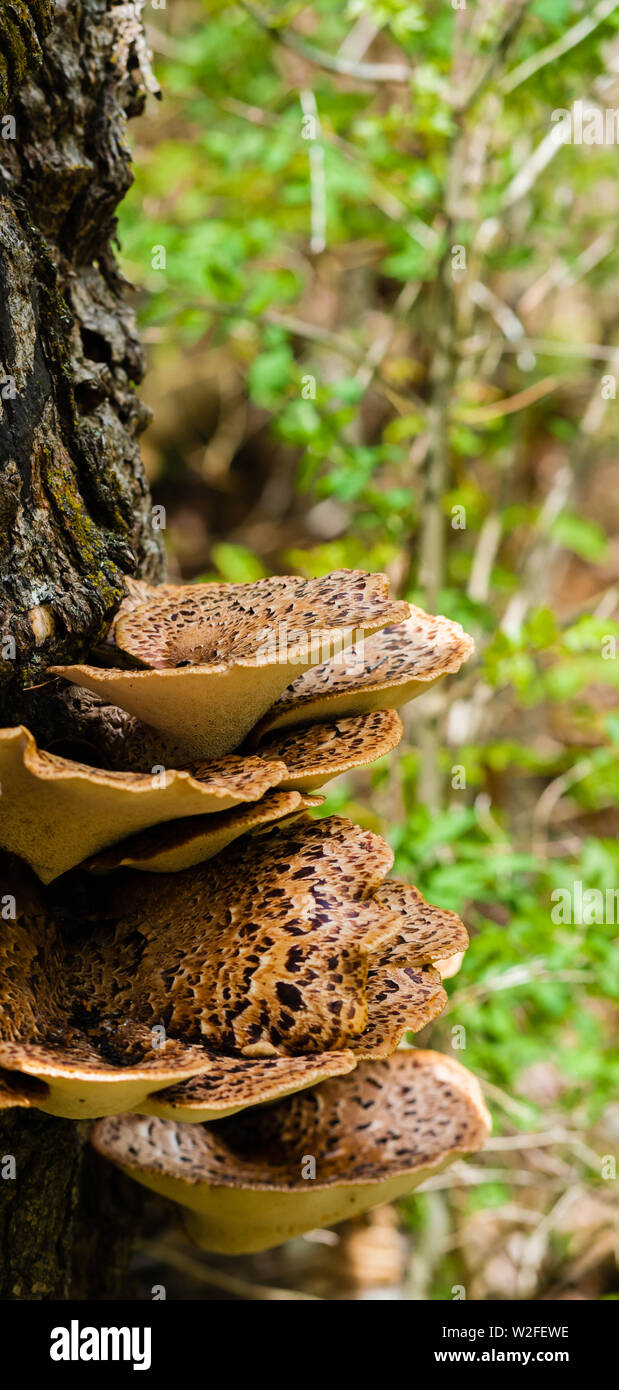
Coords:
pixel 236 564
pixel 269 376
pixel 581 535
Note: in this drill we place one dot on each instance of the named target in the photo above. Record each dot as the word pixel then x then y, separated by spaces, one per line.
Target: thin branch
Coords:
pixel 535 1245
pixel 549 1137
pixel 484 557
pixel 318 188
pixel 497 57
pixel 503 315
pixel 380 194
pixel 358 39
pixel 188 1264
pixel 299 328
pixel 515 978
pixel 345 67
pixel 523 181
pixel 465 1175
pixel 379 348
pixel 559 275
pixel 538 558
pixel 519 1110
pixel 550 798
pixel 560 47
pixel 545 347
pixel 510 404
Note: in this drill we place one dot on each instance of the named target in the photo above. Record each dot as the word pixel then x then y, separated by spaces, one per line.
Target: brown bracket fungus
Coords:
pixel 212 663
pixel 311 757
pixel 384 671
pixel 311 1160
pixel 58 812
pixel 170 848
pixel 318 752
pixel 234 982
pixel 260 960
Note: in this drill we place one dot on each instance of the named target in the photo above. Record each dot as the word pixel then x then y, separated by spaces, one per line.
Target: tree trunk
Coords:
pixel 75 510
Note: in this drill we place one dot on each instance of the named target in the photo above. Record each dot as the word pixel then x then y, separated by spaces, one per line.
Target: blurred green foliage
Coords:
pixel 227 191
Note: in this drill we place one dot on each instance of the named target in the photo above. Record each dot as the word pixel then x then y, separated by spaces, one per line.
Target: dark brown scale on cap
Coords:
pixel 400 1000
pixel 231 922
pixel 427 933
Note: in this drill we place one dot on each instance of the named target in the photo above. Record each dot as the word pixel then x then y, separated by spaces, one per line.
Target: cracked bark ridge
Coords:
pixel 75 510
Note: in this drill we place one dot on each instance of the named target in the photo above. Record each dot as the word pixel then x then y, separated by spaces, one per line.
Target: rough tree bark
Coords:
pixel 75 510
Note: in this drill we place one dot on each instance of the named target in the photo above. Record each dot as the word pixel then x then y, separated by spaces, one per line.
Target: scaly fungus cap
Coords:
pixel 373 1137
pixel 170 848
pixel 384 671
pixel 213 663
pixel 311 756
pixel 253 975
pixel 317 753
pixel 55 811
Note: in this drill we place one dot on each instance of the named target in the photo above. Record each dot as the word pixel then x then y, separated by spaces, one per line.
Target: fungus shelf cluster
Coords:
pixel 223 982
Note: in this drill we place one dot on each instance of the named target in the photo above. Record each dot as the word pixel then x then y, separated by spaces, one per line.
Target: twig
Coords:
pixel 523 181
pixel 345 67
pixel 379 348
pixel 427 1251
pixel 359 38
pixel 465 1175
pixel 497 57
pixel 547 347
pixel 569 40
pixel 515 978
pixel 511 404
pixel 218 1278
pixel 516 1108
pixel 551 796
pixel 318 190
pixel 536 1244
pixel 537 560
pixel 380 194
pixel 503 315
pixel 562 276
pixel 557 1136
pixel 484 557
